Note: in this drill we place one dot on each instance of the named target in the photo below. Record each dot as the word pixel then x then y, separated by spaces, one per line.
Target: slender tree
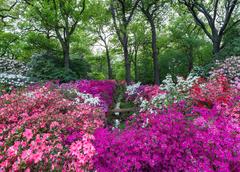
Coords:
pixel 151 9
pixel 122 13
pixel 213 17
pixel 60 16
pixel 138 40
pixel 100 25
pixel 103 35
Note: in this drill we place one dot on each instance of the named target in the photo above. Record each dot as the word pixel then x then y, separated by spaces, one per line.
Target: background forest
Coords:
pixel 132 40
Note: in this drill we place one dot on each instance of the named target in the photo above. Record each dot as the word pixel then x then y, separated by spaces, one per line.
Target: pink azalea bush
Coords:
pixel 217 92
pixel 191 125
pixel 229 68
pixel 170 142
pixel 46 128
pixel 104 90
pixel 201 134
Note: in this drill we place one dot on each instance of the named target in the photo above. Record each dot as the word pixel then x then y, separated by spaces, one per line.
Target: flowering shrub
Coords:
pixel 11 66
pixel 191 125
pixel 170 141
pixel 14 80
pixel 229 68
pixel 216 90
pixel 199 134
pixel 13 73
pixel 154 97
pixel 104 90
pixel 45 129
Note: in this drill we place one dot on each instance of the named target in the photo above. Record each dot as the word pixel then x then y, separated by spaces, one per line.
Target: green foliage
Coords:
pixel 173 62
pixel 80 66
pixel 63 75
pixel 97 75
pixel 46 66
pixel 231 43
pixel 6 43
pixel 39 42
pixel 146 69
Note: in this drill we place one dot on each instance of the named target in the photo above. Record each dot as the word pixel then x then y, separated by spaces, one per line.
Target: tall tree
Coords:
pixel 122 12
pixel 60 16
pixel 138 39
pixel 187 38
pixel 151 9
pixel 213 17
pixel 100 25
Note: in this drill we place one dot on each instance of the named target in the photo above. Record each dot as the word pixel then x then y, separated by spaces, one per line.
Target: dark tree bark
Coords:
pixel 103 38
pixel 211 16
pixel 122 15
pixel 66 55
pixel 149 10
pixel 155 53
pixel 110 76
pixel 67 30
pixel 126 57
pixel 65 44
pixel 135 63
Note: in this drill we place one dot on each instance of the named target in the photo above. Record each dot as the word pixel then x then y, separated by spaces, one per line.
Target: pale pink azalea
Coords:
pixel 54 124
pixel 37 157
pixel 26 154
pixel 28 134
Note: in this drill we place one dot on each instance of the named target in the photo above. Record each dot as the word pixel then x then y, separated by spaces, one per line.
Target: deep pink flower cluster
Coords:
pixel 217 92
pixel 145 91
pixel 42 129
pixel 103 89
pixel 202 134
pixel 170 142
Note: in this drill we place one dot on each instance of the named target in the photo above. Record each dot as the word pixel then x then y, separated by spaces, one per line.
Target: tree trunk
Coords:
pixel 135 66
pixel 216 47
pixel 155 53
pixel 66 56
pixel 126 59
pixel 109 64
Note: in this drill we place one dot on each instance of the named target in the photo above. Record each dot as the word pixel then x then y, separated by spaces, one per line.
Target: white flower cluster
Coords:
pixel 229 68
pixel 13 67
pixel 173 93
pixel 14 80
pixel 12 73
pixel 144 104
pixel 132 89
pixel 182 85
pixel 85 98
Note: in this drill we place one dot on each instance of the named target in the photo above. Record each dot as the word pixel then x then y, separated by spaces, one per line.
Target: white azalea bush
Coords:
pixel 13 73
pixel 132 89
pixel 13 67
pixel 229 68
pixel 85 98
pixel 178 90
pixel 150 98
pixel 14 80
